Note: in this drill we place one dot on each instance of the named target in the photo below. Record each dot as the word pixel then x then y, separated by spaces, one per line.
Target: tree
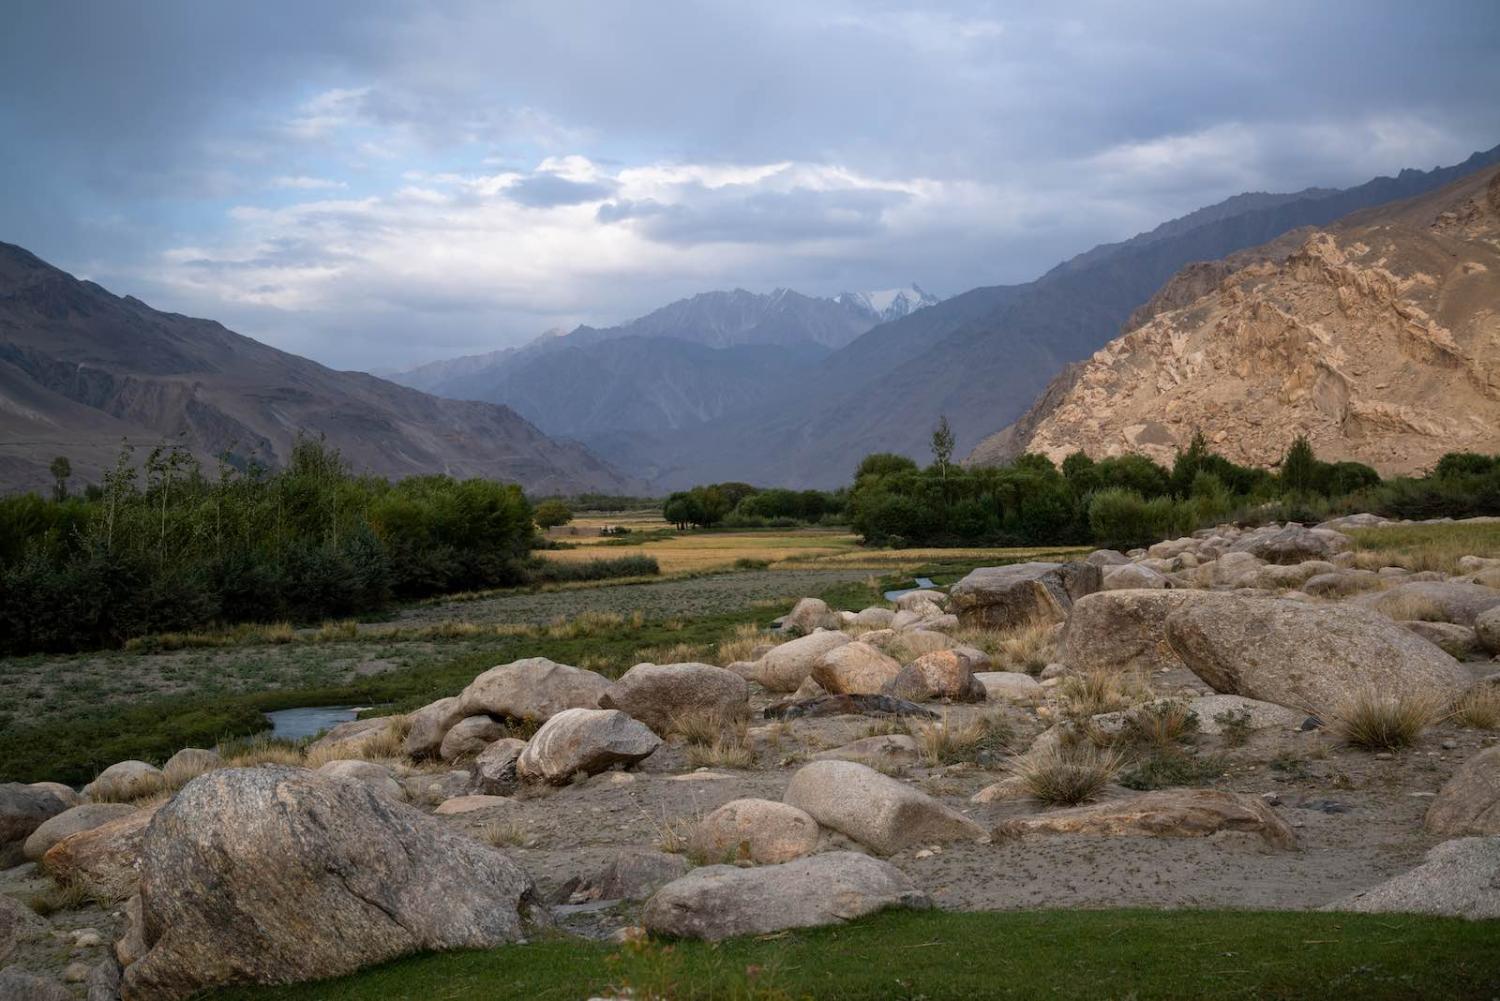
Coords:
pixel 942 444
pixel 61 469
pixel 552 513
pixel 1299 467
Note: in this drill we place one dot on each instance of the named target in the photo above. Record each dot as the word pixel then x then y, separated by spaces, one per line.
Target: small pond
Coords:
pixel 923 584
pixel 306 721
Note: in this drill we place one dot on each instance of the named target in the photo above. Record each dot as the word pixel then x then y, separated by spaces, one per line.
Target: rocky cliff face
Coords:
pixel 1378 338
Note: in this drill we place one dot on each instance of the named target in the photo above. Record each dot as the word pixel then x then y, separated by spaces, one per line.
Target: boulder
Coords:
pixel 632 875
pixel 914 642
pixel 277 875
pixel 946 674
pixel 891 747
pixel 1487 629
pixel 105 859
pixel 925 601
pixel 1009 686
pixel 1458 878
pixel 584 740
pixel 1172 813
pixel 788 665
pixel 1306 657
pixel 67 794
pixel 352 739
pixel 468 804
pixel 469 737
pixel 755 830
pixel 1132 576
pixel 428 725
pixel 374 776
pixel 84 817
pixel 1122 630
pixel 18 924
pixel 1292 544
pixel 22 810
pixel 721 901
pixel 1009 596
pixel 534 689
pixel 854 669
pixel 875 618
pixel 809 615
pixel 1342 583
pixel 879 812
pixel 1469 803
pixel 1230 570
pixel 660 694
pixel 1107 558
pixel 495 768
pixel 125 780
pixel 429 789
pixel 1258 715
pixel 18 985
pixel 1446 600
pixel 1454 640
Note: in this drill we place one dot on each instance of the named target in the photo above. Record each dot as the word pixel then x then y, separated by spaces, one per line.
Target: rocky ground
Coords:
pixel 1187 726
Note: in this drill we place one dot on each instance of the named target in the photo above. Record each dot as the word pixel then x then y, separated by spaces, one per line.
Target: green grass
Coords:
pixel 936 956
pixel 1426 547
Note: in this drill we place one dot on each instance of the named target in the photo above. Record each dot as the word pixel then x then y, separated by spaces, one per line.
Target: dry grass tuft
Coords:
pixel 728 750
pixel 1478 708
pixel 179 773
pixel 147 788
pixel 742 642
pixel 1094 692
pixel 386 744
pixel 943 742
pixel 1424 547
pixel 1409 607
pixel 674 653
pixel 1374 721
pixel 502 833
pixel 260 751
pixel 1026 648
pixel 1161 724
pixel 1066 776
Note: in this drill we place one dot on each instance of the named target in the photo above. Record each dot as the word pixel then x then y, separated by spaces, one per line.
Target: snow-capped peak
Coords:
pixel 889 304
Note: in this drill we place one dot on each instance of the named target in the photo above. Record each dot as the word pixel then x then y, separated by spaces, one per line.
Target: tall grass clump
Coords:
pixel 1067 775
pixel 1373 720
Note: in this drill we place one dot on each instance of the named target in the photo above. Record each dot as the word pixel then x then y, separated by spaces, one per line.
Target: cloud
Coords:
pixel 373 182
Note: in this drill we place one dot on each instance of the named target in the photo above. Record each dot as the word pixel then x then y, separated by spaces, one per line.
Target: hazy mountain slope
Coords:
pixel 81 368
pixel 982 357
pixel 1379 338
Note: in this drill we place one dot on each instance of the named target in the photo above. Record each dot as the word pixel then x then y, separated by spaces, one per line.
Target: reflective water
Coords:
pixel 922 585
pixel 295 724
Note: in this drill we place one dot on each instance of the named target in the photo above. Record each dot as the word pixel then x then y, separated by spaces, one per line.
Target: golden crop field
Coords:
pixel 694 551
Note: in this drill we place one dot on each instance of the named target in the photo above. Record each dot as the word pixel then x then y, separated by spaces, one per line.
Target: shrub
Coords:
pixel 1375 721
pixel 1066 776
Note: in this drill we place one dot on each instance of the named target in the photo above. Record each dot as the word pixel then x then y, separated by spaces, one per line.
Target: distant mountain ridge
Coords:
pixel 81 369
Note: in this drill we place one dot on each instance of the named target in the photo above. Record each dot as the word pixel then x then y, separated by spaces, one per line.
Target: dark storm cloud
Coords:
pixel 324 174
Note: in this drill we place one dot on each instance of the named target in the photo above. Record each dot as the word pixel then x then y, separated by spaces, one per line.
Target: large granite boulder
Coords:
pixel 762 831
pixel 469 737
pixel 495 768
pixel 1469 803
pixel 722 901
pixel 17 984
pixel 23 809
pixel 535 689
pixel 104 859
pixel 1453 601
pixel 945 674
pixel 786 667
pixel 1122 630
pixel 854 669
pixel 1458 878
pixel 1292 544
pixel 660 694
pixel 1172 813
pixel 124 781
pixel 1307 657
pixel 1009 596
pixel 84 817
pixel 277 875
pixel 809 615
pixel 584 740
pixel 371 774
pixel 876 810
pixel 1487 629
pixel 428 725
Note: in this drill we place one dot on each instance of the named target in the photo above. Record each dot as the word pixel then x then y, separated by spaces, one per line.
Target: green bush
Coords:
pixel 558 571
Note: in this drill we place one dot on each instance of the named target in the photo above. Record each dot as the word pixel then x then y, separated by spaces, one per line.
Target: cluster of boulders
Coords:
pixel 273 874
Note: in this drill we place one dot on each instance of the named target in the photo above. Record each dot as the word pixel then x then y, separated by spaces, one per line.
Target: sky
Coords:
pixel 376 184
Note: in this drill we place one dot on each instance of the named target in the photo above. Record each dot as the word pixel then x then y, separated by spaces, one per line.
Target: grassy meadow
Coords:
pixel 938 956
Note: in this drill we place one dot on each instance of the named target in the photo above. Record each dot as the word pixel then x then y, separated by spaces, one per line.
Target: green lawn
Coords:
pixel 935 955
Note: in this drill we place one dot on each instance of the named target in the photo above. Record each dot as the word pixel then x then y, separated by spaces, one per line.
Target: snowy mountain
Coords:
pixel 889 304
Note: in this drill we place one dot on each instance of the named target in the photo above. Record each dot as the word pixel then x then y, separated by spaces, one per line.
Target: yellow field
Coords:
pixel 584 529
pixel 709 550
pixel 692 552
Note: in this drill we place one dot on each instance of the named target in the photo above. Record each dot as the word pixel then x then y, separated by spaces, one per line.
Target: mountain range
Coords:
pixel 82 370
pixel 784 403
pixel 1377 337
